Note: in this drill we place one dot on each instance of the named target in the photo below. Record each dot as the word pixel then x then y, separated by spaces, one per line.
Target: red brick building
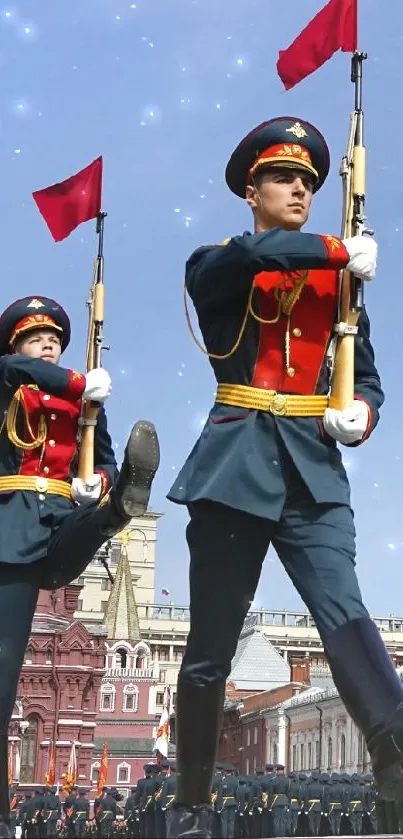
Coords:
pixel 86 685
pixel 58 690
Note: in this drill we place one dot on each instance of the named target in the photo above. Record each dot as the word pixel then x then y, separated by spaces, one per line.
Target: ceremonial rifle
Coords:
pixel 351 298
pixel 95 345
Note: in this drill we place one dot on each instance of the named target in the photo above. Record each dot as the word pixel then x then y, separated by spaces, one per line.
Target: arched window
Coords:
pixel 329 753
pixel 121 658
pixel 29 747
pixel 130 698
pixel 123 773
pixel 108 693
pixel 142 657
pixel 95 772
pixel 342 752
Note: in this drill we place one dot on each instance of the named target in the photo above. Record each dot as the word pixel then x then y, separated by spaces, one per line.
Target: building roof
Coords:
pixel 121 619
pixel 256 664
pixel 128 746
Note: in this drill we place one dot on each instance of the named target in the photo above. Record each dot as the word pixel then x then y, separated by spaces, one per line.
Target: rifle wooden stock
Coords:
pixel 96 305
pixel 342 386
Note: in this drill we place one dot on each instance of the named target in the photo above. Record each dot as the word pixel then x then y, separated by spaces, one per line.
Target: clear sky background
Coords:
pixel 164 90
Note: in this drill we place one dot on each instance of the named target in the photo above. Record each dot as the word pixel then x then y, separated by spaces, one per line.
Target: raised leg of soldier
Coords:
pixel 19 587
pixel 316 544
pixel 82 531
pixel 227 548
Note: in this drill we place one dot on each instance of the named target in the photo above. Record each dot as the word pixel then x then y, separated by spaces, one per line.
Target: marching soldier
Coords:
pixel 52 811
pixel 23 814
pixel 313 803
pixel 335 803
pixel 147 801
pixel 62 521
pixel 68 809
pixel 138 799
pixel 81 813
pixel 14 802
pixel 160 827
pixel 227 802
pixel 130 814
pixel 295 802
pixel 98 809
pixel 260 801
pixel 280 802
pixel 34 820
pixel 168 791
pixel 370 805
pixel 242 797
pixel 356 804
pixel 267 468
pixel 215 791
pixel 107 811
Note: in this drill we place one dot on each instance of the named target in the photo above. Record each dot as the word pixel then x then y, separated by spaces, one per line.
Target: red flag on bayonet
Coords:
pixel 67 204
pixel 334 28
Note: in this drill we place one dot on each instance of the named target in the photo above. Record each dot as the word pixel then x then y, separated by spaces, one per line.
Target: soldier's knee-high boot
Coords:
pixel 373 695
pixel 198 725
pixel 4 797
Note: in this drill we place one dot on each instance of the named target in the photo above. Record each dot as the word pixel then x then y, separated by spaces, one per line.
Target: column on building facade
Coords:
pixel 282 731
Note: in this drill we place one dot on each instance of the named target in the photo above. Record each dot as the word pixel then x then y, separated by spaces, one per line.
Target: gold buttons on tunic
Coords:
pixel 46 397
pixel 53 416
pixel 296 332
pixel 52 443
pixel 290 371
pixel 46 470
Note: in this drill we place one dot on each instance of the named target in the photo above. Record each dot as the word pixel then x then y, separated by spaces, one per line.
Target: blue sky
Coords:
pixel 165 89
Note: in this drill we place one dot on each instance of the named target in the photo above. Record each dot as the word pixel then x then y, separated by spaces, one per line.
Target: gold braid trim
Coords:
pixel 11 425
pixel 286 302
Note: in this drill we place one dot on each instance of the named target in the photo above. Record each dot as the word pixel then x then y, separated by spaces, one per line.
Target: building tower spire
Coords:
pixel 121 618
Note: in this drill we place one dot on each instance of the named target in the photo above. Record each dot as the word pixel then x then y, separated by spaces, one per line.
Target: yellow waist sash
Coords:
pixel 10 483
pixel 278 404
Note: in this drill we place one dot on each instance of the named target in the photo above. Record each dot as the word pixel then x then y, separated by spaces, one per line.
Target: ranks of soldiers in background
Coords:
pixel 23 813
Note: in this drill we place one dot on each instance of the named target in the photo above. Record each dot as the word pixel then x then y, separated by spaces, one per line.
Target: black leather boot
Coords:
pixel 373 695
pixel 5 832
pixel 130 493
pixel 198 724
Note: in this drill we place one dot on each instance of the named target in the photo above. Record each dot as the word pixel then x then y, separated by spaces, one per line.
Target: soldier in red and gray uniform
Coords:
pixel 51 522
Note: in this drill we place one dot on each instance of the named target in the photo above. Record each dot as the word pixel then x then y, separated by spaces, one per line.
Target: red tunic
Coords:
pixel 311 324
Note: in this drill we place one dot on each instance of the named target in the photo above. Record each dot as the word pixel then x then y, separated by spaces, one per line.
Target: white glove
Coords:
pixel 88 492
pixel 347 426
pixel 363 252
pixel 98 385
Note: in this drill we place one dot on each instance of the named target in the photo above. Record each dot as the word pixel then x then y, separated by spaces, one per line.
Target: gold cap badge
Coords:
pixel 297 130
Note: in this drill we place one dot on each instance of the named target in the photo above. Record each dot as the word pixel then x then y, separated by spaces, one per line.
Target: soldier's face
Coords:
pixel 40 343
pixel 281 198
